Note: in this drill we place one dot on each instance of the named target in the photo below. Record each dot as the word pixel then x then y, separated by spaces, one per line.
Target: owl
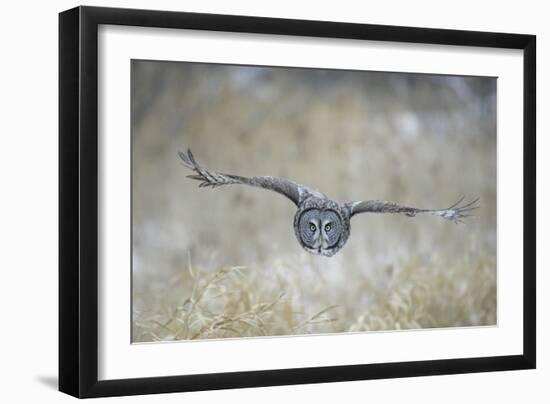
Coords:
pixel 322 226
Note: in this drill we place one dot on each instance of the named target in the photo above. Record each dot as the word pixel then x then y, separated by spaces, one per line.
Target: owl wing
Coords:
pixel 455 213
pixel 297 193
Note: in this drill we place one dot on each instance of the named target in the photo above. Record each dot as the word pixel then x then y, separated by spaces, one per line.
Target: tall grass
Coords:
pixel 244 302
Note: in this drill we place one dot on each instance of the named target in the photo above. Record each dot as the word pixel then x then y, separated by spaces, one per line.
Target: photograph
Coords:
pixel 272 201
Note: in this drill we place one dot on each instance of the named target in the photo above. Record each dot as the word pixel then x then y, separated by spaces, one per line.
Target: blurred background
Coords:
pixel 225 263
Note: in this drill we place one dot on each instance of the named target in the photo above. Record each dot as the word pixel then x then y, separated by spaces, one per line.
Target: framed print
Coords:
pixel 250 201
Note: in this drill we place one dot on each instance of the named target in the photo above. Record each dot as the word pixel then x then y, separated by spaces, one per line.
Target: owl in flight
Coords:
pixel 322 226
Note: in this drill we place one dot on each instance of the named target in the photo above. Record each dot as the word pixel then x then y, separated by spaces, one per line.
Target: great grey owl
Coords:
pixel 321 226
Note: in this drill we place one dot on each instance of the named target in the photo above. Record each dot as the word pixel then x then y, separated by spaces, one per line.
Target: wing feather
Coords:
pixel 297 193
pixel 455 213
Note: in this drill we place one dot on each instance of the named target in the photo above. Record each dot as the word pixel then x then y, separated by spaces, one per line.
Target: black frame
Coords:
pixel 78 196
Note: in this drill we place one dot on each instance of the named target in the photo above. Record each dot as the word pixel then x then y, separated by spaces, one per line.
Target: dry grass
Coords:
pixel 244 302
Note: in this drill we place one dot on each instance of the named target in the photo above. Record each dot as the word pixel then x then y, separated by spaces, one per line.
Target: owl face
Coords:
pixel 320 231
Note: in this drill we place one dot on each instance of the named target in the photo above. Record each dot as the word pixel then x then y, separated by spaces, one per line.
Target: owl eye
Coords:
pixel 327 227
pixel 312 227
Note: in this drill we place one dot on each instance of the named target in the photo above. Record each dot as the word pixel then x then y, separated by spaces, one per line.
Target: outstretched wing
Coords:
pixel 456 212
pixel 293 191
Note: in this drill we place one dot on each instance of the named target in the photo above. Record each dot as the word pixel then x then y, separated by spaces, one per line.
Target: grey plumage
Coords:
pixel 297 193
pixel 321 225
pixel 454 212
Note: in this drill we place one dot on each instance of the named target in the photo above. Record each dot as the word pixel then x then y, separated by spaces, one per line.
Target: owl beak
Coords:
pixel 318 243
pixel 321 243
